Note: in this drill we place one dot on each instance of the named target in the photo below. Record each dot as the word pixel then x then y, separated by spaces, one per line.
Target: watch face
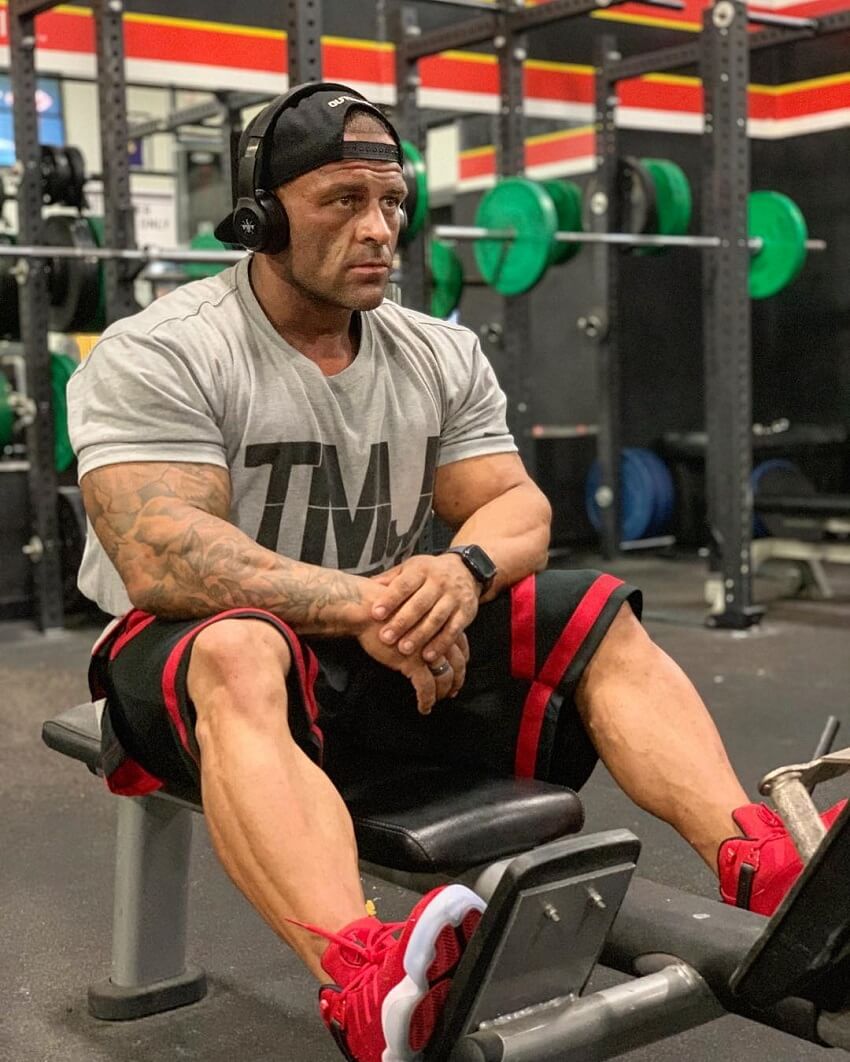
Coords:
pixel 481 561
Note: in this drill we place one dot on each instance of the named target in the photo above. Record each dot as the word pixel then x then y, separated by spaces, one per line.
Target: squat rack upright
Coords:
pixel 44 545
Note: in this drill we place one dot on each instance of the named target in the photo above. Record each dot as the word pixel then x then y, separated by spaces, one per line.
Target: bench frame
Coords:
pixel 150 918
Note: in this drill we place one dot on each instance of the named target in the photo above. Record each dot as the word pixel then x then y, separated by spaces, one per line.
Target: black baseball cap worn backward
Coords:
pixel 308 133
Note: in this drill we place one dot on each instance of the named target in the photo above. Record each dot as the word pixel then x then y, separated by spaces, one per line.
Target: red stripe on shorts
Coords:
pixel 523 648
pixel 554 669
pixel 172 664
pixel 132 624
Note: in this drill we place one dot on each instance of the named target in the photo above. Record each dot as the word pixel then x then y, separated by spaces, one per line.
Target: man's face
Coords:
pixel 344 220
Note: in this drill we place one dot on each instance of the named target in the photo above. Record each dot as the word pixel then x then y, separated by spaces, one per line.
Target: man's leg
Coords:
pixel 654 734
pixel 278 825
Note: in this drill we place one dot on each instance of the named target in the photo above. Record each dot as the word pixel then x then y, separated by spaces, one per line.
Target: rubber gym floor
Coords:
pixel 770 691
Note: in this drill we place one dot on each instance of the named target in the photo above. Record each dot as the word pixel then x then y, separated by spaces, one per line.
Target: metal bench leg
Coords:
pixel 149 971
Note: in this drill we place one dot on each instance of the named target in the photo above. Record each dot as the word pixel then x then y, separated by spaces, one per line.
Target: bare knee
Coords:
pixel 241 665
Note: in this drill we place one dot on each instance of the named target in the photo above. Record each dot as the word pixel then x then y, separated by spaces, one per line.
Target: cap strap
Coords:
pixel 370 149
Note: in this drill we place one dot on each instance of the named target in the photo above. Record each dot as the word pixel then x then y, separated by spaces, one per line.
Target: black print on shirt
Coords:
pixel 329 504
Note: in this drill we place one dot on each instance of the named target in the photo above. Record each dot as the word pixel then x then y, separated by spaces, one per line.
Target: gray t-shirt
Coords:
pixel 331 470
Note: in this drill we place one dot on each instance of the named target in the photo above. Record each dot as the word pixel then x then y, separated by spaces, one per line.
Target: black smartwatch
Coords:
pixel 478 563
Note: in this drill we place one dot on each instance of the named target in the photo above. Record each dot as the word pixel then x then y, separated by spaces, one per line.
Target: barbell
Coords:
pixel 519 228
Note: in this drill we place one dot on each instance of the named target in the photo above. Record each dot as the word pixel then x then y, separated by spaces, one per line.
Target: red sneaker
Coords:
pixel 766 855
pixel 392 979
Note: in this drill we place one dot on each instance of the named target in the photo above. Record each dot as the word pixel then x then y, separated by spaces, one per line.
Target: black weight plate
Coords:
pixel 74 284
pixel 634 210
pixel 49 182
pixel 637 197
pixel 76 194
pixel 10 325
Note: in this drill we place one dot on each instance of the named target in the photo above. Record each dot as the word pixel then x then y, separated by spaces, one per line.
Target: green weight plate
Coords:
pixel 514 266
pixel 416 179
pixel 446 279
pixel 10 325
pixel 673 200
pixel 98 323
pixel 567 199
pixel 61 370
pixel 205 241
pixel 779 223
pixel 7 416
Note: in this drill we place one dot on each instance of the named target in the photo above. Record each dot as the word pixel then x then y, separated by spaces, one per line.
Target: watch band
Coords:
pixel 478 563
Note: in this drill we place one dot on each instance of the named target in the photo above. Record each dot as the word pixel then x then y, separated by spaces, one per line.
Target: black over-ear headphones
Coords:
pixel 259 220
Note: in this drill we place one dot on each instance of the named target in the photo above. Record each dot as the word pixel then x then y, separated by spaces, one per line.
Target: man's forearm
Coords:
pixel 513 530
pixel 178 561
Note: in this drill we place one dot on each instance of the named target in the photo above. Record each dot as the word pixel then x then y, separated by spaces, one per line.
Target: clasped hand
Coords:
pixel 420 614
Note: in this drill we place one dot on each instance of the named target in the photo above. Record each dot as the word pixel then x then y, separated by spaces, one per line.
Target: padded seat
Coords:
pixel 424 820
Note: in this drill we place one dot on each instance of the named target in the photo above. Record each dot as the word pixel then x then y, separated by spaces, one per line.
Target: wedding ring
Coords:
pixel 441 670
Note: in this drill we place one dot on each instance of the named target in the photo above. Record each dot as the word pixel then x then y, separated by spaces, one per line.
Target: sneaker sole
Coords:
pixel 449 908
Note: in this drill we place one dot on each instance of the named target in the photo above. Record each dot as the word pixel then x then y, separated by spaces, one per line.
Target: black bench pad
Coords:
pixel 423 820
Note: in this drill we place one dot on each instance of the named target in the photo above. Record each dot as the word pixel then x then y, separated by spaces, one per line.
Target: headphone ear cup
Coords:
pixel 277 223
pixel 402 220
pixel 250 224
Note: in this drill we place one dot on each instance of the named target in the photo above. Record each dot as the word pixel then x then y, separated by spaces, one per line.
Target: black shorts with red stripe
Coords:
pixel 515 715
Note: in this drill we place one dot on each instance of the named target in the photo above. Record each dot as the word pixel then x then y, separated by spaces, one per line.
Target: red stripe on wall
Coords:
pixel 178 44
pixel 573 85
pixel 762 105
pixel 539 152
pixel 662 95
pixel 812 101
pixel 341 62
pixel 459 75
pixel 478 165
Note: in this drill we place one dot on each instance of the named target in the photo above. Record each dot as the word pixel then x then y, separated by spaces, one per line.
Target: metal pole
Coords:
pixel 43 548
pixel 511 52
pixel 626 239
pixel 129 254
pixel 599 1025
pixel 726 311
pixel 304 40
pixel 403 26
pixel 601 321
pixel 118 224
pixel 455 232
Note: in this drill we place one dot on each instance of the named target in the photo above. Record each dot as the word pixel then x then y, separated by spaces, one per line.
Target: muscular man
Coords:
pixel 259 454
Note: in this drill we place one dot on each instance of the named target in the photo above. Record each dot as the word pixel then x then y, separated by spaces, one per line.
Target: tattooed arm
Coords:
pixel 165 528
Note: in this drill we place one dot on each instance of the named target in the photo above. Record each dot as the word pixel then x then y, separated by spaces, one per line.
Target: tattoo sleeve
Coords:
pixel 165 528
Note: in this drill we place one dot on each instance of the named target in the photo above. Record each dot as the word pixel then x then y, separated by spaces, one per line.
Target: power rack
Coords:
pixel 722 55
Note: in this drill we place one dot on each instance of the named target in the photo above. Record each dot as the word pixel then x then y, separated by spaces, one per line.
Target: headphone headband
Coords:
pixel 251 160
